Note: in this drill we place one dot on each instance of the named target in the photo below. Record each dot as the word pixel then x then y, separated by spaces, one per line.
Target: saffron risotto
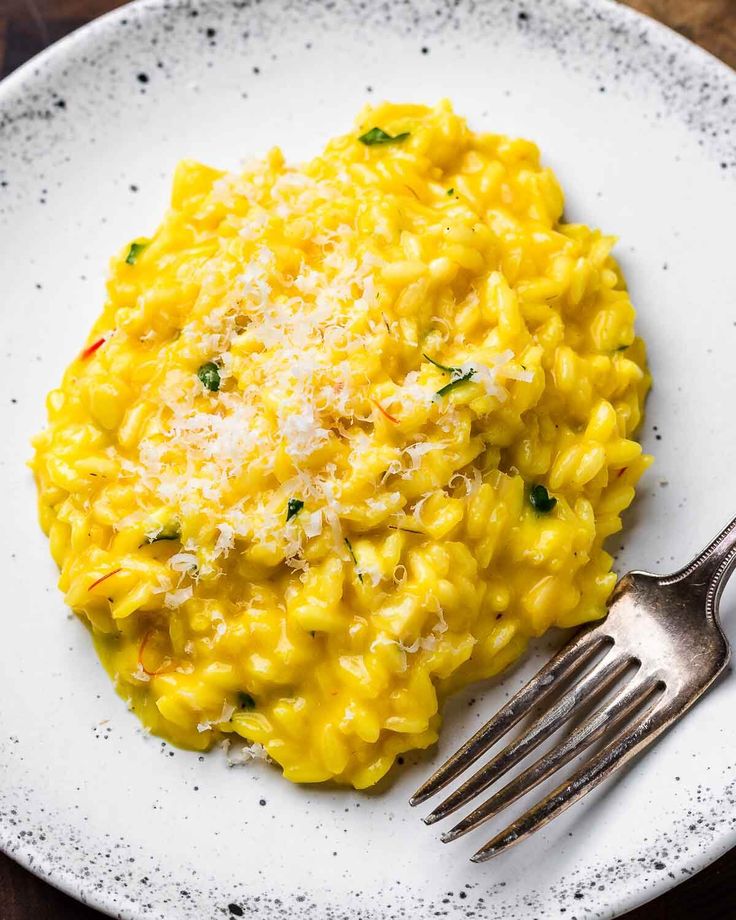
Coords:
pixel 345 436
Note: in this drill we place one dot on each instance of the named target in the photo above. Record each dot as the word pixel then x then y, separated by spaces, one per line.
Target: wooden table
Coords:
pixel 27 26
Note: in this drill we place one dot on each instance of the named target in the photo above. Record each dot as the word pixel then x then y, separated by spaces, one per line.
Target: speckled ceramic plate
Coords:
pixel 640 126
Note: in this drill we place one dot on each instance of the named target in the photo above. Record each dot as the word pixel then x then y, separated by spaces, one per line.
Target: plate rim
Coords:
pixel 74 884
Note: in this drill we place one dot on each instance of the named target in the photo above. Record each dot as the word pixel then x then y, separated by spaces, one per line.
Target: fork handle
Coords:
pixel 711 569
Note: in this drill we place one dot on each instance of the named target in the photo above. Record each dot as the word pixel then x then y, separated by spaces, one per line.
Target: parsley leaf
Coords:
pixel 209 376
pixel 442 367
pixel 463 378
pixel 245 701
pixel 293 507
pixel 541 500
pixel 169 532
pixel 135 250
pixel 379 136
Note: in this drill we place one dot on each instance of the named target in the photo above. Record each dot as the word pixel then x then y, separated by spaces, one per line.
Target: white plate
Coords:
pixel 641 128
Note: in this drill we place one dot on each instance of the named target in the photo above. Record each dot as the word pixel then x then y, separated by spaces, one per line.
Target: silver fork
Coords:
pixel 665 626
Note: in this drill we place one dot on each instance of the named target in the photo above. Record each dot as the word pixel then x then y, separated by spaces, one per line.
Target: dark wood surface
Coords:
pixel 27 26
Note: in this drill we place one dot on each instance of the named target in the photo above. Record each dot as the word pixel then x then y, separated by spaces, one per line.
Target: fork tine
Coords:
pixel 622 748
pixel 601 721
pixel 591 685
pixel 570 659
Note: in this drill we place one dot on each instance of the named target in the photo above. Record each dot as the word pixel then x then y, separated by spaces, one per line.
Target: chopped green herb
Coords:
pixel 135 250
pixel 209 375
pixel 293 507
pixel 352 556
pixel 379 136
pixel 169 532
pixel 463 378
pixel 541 500
pixel 246 701
pixel 450 191
pixel 442 367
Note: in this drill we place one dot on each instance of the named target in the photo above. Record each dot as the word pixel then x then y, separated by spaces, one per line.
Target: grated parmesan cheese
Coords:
pixel 174 599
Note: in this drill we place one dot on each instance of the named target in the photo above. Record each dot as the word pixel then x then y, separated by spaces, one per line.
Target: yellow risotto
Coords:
pixel 345 436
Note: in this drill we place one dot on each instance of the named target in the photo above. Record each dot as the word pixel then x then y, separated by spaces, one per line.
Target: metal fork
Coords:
pixel 664 626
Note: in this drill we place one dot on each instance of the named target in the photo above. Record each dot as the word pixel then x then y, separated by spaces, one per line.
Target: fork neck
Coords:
pixel 711 569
